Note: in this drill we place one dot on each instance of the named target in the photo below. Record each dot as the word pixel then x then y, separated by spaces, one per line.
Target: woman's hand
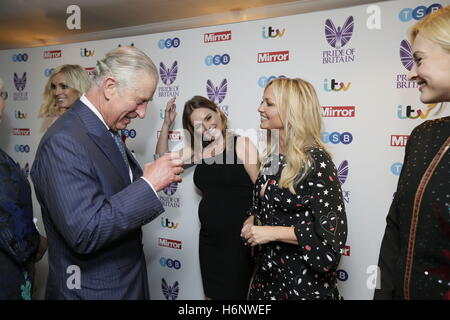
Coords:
pixel 256 235
pixel 170 113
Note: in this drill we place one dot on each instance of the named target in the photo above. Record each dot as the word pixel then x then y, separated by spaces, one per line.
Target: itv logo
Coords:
pixel 411 113
pixel 272 33
pixel 166 223
pixel 84 52
pixel 20 115
pixel 335 85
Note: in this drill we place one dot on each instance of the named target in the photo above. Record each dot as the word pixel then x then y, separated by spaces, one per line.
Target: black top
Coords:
pixel 430 273
pixel 317 214
pixel 19 239
pixel 225 262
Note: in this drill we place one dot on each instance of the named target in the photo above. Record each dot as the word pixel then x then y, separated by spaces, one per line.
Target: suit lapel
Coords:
pixel 100 135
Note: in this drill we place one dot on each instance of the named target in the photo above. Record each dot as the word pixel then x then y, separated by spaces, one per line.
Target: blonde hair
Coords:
pixel 76 78
pixel 299 109
pixel 435 27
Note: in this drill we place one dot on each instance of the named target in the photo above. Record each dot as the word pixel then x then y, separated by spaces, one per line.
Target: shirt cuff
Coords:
pixel 148 182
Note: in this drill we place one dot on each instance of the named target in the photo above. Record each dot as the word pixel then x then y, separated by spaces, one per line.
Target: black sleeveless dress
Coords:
pixel 225 262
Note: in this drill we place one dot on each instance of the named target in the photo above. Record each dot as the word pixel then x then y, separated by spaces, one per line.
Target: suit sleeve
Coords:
pixel 67 185
pixel 18 235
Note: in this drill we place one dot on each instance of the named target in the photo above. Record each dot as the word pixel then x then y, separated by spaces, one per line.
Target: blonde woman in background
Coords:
pixel 414 258
pixel 298 217
pixel 66 84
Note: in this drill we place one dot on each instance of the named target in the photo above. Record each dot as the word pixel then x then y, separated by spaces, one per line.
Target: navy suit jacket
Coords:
pixel 92 212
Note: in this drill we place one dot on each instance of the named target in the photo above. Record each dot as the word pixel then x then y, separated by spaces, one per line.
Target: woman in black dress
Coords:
pixel 415 253
pixel 298 215
pixel 225 172
pixel 20 243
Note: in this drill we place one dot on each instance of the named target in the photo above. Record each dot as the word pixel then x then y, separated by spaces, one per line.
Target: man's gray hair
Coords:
pixel 124 64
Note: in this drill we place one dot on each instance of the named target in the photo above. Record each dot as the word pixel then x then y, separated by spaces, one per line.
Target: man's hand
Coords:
pixel 164 171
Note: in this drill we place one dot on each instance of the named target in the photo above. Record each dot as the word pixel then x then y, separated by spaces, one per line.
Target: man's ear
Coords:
pixel 109 87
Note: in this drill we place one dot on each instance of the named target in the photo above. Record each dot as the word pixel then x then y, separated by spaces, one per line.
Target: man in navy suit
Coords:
pixel 93 194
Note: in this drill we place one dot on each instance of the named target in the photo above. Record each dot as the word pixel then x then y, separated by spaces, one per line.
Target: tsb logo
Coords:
pixel 336 137
pixel 48 72
pixel 20 57
pixel 169 43
pixel 169 263
pixel 217 59
pixel 22 148
pixel 129 133
pixel 396 168
pixel 417 13
pixel 263 81
pixel 342 275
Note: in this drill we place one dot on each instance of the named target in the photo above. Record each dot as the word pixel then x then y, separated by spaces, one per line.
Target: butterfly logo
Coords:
pixel 168 76
pixel 343 171
pixel 171 293
pixel 171 189
pixel 25 170
pixel 20 82
pixel 338 37
pixel 406 56
pixel 216 94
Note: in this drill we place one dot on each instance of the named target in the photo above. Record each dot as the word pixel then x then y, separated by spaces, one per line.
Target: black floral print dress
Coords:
pixel 317 214
pixel 19 239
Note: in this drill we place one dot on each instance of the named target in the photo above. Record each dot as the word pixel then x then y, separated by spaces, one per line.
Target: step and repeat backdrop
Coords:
pixel 358 59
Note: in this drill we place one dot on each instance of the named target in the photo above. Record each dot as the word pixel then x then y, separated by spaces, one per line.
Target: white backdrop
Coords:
pixel 382 104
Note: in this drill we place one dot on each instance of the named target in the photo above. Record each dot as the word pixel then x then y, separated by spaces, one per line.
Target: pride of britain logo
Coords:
pixel 168 200
pixel 407 60
pixel 168 76
pixel 338 37
pixel 342 176
pixel 171 189
pixel 20 83
pixel 170 292
pixel 217 94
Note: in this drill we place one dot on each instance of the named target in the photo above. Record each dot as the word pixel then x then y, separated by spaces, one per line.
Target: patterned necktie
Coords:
pixel 121 146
